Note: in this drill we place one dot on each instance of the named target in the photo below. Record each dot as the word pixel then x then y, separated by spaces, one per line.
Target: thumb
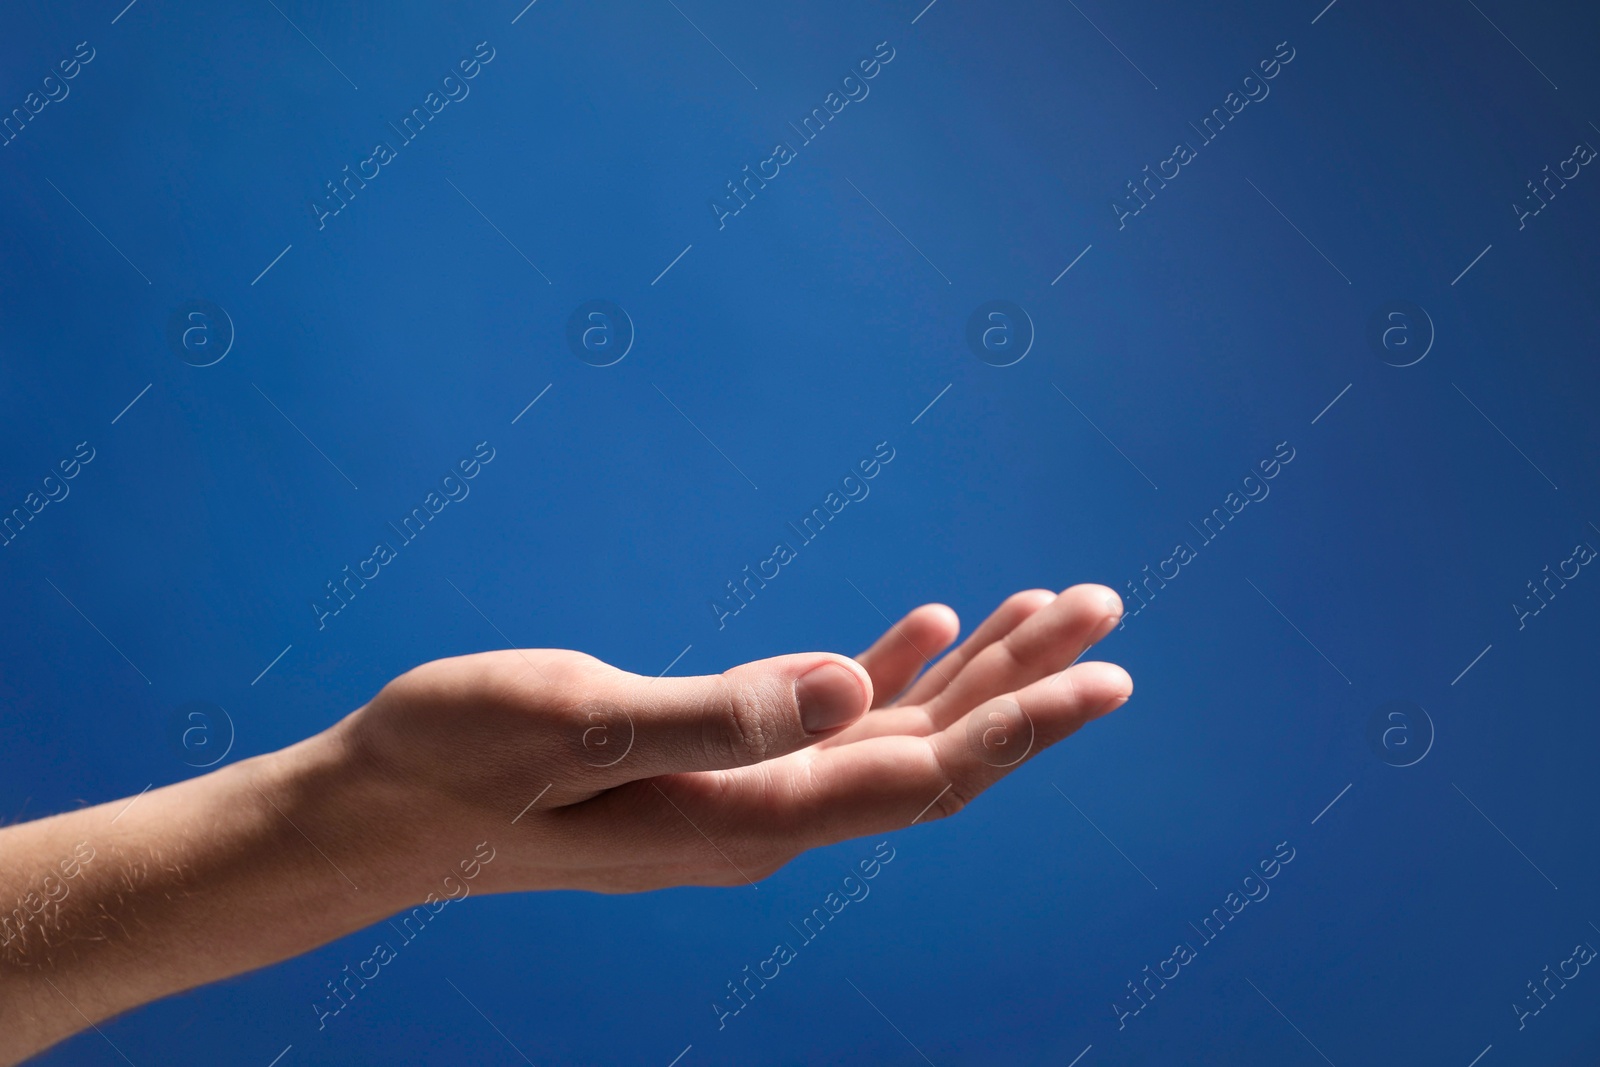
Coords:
pixel 746 715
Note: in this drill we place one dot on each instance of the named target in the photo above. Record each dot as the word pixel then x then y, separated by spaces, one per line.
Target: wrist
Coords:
pixel 330 803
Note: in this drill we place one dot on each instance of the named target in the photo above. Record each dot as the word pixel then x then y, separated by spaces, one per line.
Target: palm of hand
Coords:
pixel 644 783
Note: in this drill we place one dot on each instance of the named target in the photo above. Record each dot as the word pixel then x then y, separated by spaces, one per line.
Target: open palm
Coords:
pixel 620 783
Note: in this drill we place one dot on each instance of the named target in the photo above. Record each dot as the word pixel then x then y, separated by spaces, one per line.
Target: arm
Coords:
pixel 526 770
pixel 123 903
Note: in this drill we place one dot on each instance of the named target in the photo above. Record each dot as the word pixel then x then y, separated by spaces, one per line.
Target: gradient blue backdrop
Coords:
pixel 1196 339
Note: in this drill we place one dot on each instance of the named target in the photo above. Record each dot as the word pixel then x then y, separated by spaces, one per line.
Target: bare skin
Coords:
pixel 572 774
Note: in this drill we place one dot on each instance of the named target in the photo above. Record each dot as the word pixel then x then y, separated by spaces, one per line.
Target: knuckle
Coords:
pixel 1074 688
pixel 565 669
pixel 951 802
pixel 735 727
pixel 1007 655
pixel 548 678
pixel 1018 606
pixel 963 788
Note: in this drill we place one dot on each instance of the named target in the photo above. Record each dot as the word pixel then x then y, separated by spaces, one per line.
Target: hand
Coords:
pixel 528 770
pixel 639 783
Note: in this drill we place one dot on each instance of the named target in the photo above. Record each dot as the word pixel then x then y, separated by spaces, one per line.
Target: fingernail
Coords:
pixel 1112 705
pixel 829 696
pixel 1113 606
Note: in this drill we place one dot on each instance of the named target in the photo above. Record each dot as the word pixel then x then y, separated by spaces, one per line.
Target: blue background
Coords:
pixel 1196 338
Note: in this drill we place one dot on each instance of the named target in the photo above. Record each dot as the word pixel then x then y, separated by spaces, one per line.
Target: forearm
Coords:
pixel 112 906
